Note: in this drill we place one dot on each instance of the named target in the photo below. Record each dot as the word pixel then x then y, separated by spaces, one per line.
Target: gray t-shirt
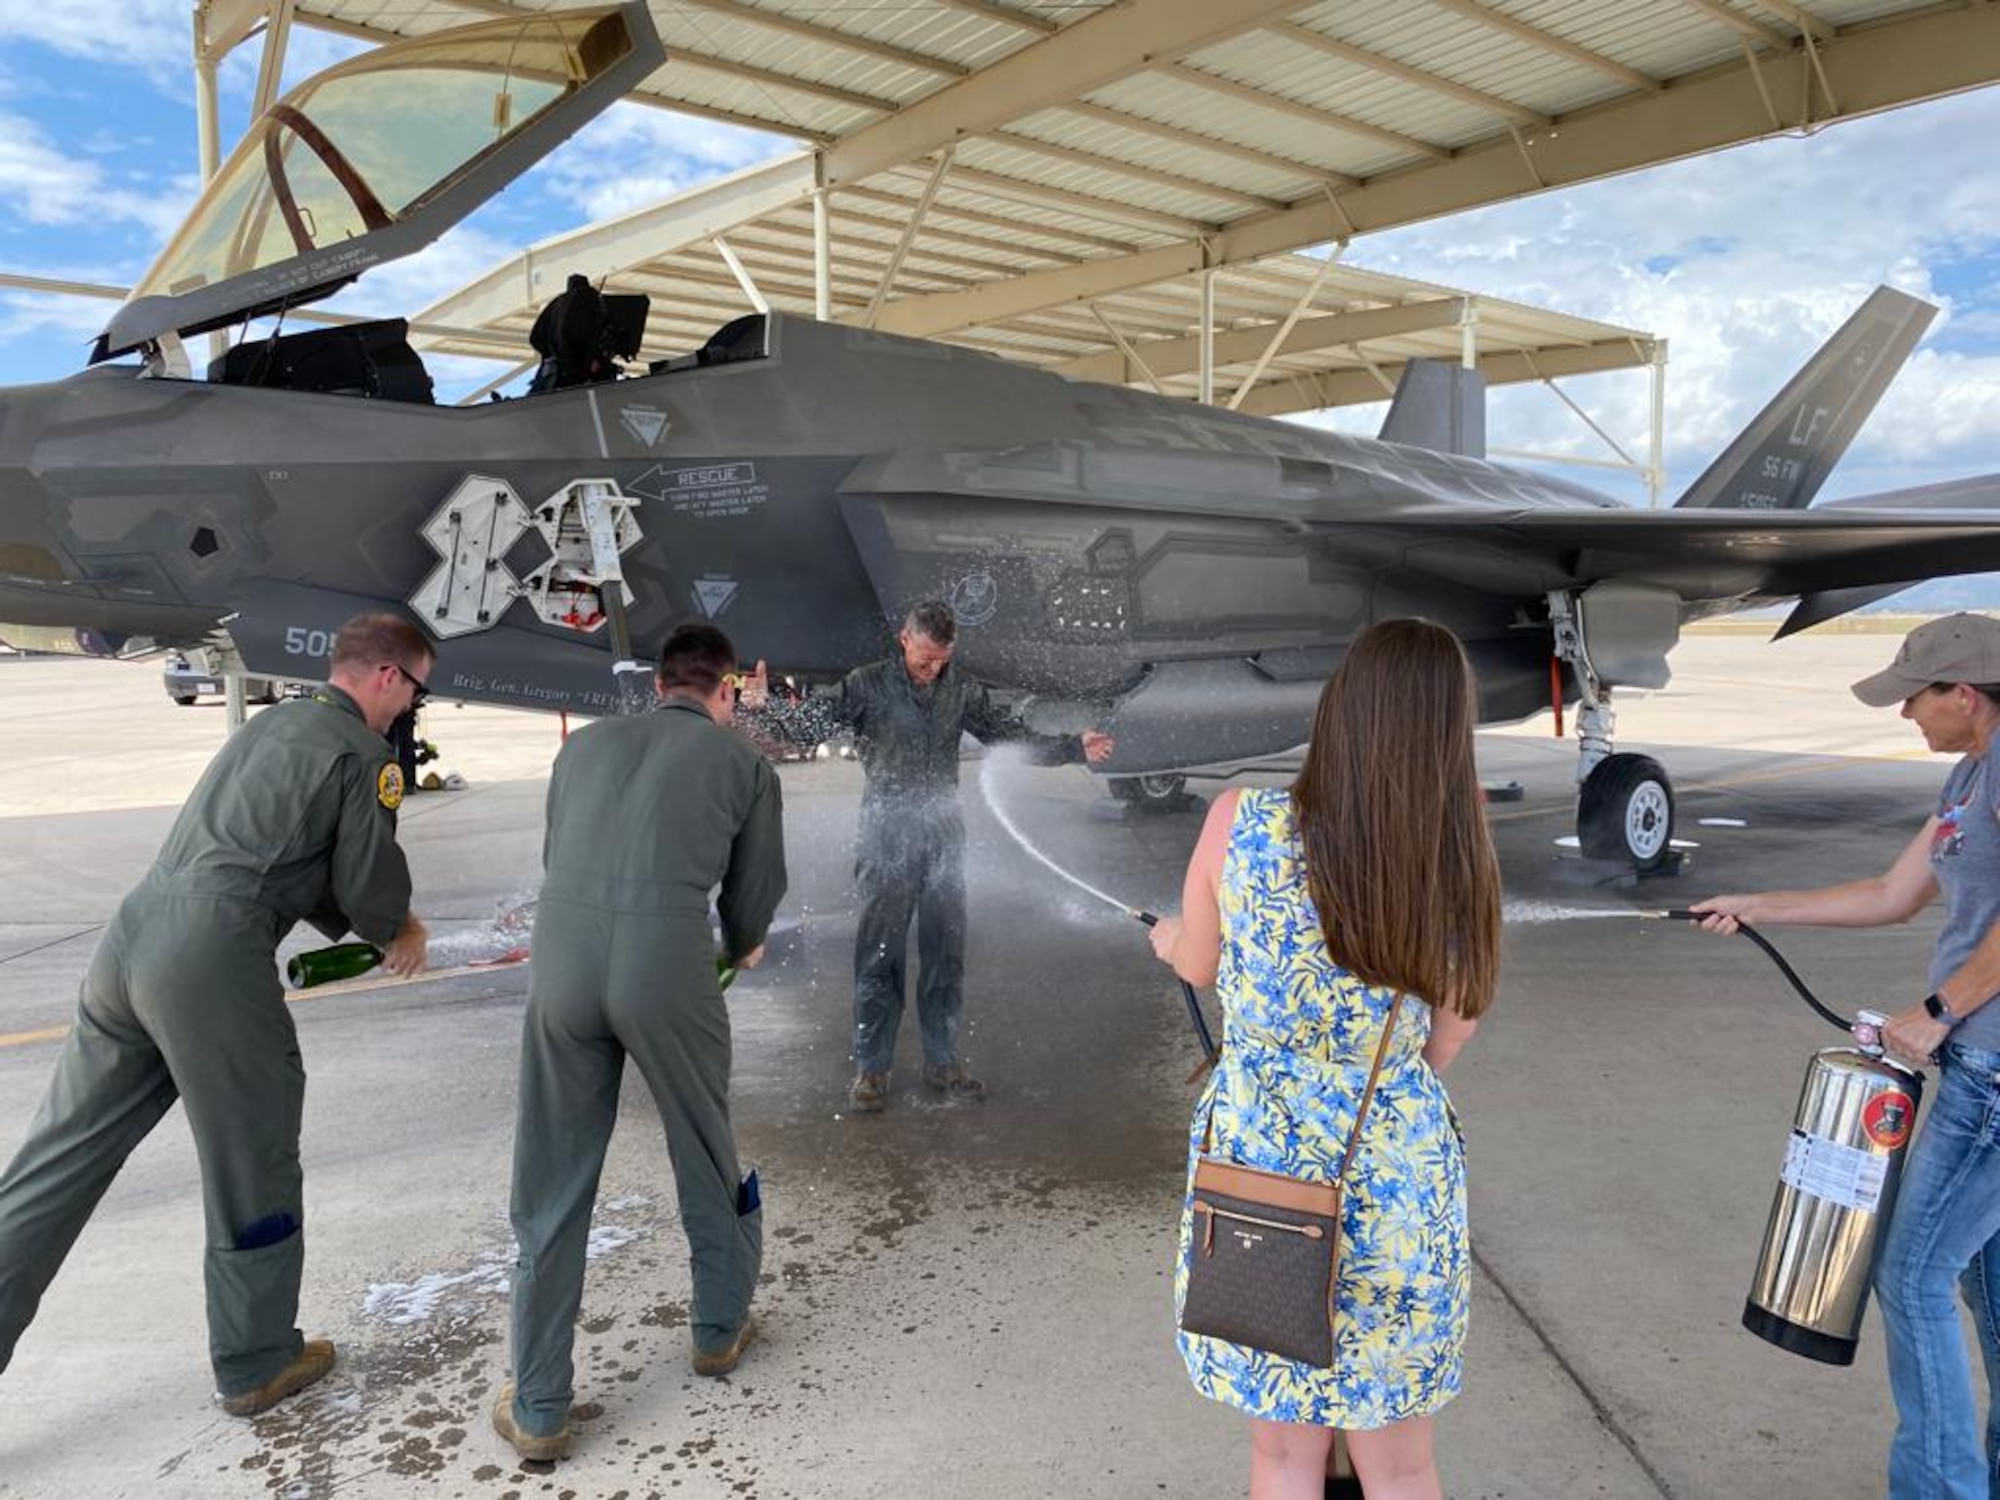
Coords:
pixel 1965 859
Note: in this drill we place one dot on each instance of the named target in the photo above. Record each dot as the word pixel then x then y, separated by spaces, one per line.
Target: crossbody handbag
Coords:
pixel 1266 1263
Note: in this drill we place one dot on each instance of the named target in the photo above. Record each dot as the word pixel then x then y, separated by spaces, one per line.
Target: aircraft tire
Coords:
pixel 184 702
pixel 1626 812
pixel 1161 793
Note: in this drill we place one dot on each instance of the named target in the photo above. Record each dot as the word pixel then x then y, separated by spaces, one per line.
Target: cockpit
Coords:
pixel 365 163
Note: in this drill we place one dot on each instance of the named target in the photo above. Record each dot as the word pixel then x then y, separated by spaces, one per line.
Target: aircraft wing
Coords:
pixel 1506 532
pixel 1706 557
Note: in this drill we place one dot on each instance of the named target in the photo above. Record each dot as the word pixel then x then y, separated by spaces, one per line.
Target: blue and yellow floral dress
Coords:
pixel 1299 1036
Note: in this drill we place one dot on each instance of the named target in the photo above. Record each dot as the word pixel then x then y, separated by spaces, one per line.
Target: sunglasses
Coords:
pixel 418 691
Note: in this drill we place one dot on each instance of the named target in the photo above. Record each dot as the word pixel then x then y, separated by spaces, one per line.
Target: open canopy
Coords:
pixel 375 158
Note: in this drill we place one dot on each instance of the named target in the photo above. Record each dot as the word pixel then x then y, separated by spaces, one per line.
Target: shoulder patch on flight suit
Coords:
pixel 389 786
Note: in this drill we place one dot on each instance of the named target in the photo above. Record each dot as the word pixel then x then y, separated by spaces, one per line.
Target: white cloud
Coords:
pixel 401 287
pixel 156 35
pixel 47 187
pixel 632 156
pixel 1746 261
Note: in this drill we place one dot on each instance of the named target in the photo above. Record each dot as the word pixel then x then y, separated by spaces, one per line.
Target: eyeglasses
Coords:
pixel 418 691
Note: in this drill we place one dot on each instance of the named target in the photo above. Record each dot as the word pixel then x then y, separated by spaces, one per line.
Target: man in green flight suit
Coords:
pixel 646 816
pixel 294 821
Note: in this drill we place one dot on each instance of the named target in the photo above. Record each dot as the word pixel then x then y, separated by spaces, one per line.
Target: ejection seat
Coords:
pixel 352 359
pixel 583 333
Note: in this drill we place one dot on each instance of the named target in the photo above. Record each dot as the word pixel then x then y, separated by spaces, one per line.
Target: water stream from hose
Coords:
pixel 1028 845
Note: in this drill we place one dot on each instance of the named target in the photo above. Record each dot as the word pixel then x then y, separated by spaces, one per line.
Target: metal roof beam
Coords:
pixel 1376 62
pixel 1131 170
pixel 1012 249
pixel 1006 15
pixel 1143 126
pixel 683 58
pixel 1872 68
pixel 999 185
pixel 908 237
pixel 1312 114
pixel 830 36
pixel 1799 16
pixel 1548 41
pixel 744 279
pixel 606 248
pixel 1103 47
pixel 1743 25
pixel 221 25
pixel 1283 395
pixel 949 210
pixel 1168 357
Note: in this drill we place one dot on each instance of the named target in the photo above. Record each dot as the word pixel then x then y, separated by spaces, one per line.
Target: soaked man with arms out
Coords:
pixel 295 821
pixel 907 714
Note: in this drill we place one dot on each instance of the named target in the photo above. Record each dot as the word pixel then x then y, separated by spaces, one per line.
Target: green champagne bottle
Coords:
pixel 330 965
pixel 725 971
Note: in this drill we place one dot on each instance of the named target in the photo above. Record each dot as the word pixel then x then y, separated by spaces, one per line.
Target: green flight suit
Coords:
pixel 293 821
pixel 909 857
pixel 646 816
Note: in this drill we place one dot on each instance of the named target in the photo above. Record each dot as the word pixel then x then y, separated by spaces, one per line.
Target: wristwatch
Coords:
pixel 1937 1010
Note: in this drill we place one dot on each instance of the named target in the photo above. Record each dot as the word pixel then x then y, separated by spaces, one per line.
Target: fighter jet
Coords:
pixel 1184 576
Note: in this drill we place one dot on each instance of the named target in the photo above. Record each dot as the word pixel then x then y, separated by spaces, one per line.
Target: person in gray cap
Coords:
pixel 295 820
pixel 646 816
pixel 1946 1229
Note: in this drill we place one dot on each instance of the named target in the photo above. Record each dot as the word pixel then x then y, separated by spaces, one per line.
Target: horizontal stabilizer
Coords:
pixel 1783 457
pixel 1831 604
pixel 1438 406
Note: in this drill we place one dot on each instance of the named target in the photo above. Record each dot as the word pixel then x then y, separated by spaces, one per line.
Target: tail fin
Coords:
pixel 1781 459
pixel 1438 406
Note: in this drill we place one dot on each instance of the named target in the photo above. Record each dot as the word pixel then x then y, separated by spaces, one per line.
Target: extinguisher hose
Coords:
pixel 1831 1017
pixel 1198 1020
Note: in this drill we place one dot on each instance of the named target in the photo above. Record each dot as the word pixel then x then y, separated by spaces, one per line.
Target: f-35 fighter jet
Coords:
pixel 1181 575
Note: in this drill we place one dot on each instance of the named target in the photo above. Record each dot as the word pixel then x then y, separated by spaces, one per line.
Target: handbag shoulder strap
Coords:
pixel 1368 1094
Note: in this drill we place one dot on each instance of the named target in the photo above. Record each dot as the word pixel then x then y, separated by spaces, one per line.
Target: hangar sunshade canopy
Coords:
pixel 1119 190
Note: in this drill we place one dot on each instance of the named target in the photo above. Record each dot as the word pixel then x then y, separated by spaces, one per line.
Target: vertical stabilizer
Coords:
pixel 1438 406
pixel 1782 458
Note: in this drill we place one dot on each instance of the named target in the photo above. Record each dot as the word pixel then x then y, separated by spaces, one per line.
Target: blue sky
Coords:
pixel 1745 260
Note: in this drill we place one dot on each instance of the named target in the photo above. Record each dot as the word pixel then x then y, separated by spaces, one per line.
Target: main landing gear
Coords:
pixel 1625 802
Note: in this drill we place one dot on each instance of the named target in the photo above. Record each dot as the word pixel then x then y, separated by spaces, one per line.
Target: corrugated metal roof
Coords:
pixel 1162 135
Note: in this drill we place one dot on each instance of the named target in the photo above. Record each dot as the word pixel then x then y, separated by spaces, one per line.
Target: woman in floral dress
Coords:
pixel 1310 909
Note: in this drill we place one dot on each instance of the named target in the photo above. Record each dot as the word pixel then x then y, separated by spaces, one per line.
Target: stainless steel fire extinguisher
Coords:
pixel 1836 1190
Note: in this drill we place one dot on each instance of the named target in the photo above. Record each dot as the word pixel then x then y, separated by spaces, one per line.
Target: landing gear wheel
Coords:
pixel 1626 812
pixel 1159 793
pixel 187 702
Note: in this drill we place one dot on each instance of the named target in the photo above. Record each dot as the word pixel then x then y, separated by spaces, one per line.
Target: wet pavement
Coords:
pixel 972 1299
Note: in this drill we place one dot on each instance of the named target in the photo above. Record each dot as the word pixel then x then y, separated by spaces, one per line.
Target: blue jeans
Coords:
pixel 1946 1229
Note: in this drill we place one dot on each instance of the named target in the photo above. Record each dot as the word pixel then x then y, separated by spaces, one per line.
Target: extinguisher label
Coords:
pixel 1845 1176
pixel 1888 1118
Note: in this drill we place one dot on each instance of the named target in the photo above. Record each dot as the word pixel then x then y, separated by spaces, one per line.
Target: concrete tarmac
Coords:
pixel 974 1300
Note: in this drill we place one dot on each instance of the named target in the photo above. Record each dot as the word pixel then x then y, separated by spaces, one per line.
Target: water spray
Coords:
pixel 1136 913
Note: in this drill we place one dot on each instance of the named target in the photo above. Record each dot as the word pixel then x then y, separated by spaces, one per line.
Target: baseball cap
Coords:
pixel 1955 648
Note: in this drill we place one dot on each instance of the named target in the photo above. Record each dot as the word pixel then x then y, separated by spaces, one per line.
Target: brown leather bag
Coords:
pixel 1266 1263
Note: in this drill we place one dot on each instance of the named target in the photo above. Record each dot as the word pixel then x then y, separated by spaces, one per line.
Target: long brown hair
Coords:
pixel 1398 857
